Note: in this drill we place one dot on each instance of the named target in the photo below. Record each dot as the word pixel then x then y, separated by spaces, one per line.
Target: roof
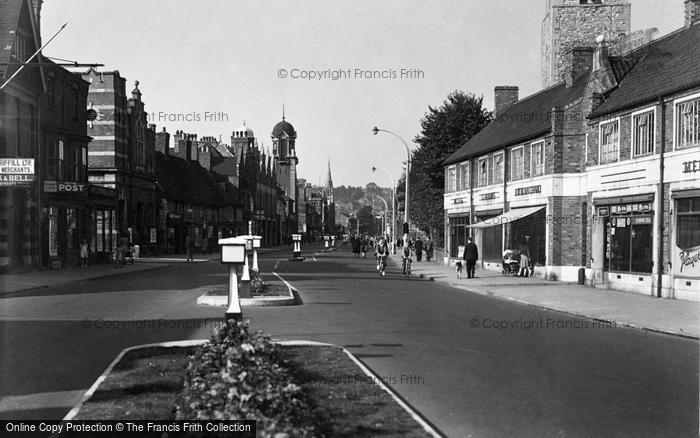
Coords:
pixel 225 166
pixel 524 120
pixel 668 65
pixel 9 19
pixel 283 127
pixel 186 181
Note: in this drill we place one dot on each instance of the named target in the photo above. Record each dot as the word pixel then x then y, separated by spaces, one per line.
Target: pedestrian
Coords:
pixel 524 264
pixel 84 252
pixel 356 247
pixel 471 255
pixel 419 249
pixel 189 247
pixel 364 247
pixel 429 249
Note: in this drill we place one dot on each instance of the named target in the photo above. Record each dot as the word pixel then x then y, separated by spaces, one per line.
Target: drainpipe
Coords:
pixel 660 203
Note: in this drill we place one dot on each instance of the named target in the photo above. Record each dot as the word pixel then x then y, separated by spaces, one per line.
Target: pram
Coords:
pixel 511 262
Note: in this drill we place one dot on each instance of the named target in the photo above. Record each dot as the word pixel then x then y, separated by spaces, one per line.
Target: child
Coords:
pixel 458 265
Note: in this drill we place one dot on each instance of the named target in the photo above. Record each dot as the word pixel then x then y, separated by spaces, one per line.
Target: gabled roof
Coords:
pixel 526 119
pixel 667 65
pixel 224 166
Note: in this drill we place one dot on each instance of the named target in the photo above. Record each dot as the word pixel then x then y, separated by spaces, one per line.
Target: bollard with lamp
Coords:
pixel 296 252
pixel 245 275
pixel 233 255
pixel 326 239
pixel 333 237
pixel 256 245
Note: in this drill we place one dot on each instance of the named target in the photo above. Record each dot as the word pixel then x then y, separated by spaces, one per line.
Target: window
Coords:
pixel 60 172
pixel 537 157
pixel 498 168
pixel 459 178
pixel 688 123
pixel 21 52
pixel 464 171
pixel 688 235
pixel 609 141
pixel 452 179
pixel 517 160
pixel 643 130
pixel 483 172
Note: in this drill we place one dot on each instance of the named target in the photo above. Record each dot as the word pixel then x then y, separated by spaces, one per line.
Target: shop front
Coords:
pixel 685 253
pixel 103 235
pixel 623 242
pixel 66 222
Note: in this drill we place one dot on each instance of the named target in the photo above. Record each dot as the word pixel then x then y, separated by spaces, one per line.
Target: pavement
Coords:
pixel 671 316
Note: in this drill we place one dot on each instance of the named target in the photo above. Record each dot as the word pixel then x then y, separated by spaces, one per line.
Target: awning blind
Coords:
pixel 507 217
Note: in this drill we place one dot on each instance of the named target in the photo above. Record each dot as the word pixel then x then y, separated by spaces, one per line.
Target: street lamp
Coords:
pixel 376 131
pixel 393 207
pixel 386 207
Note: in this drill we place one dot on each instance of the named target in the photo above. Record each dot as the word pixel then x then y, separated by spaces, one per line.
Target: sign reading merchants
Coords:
pixel 16 172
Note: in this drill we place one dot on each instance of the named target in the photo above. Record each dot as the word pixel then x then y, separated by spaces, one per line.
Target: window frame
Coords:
pixel 600 140
pixel 495 167
pixel 482 164
pixel 676 103
pixel 540 144
pixel 452 178
pixel 633 131
pixel 512 163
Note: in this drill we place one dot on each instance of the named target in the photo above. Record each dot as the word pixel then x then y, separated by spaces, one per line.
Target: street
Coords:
pixel 471 364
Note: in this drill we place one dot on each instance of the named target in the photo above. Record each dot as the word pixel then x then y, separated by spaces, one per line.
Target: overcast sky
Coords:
pixel 221 60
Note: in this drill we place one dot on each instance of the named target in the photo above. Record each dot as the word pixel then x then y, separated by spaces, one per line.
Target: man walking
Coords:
pixel 471 255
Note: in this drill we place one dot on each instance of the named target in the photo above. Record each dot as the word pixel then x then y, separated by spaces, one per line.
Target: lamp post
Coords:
pixel 386 207
pixel 233 254
pixel 393 207
pixel 376 131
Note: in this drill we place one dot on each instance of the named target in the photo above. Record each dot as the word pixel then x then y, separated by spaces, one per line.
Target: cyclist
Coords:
pixel 381 252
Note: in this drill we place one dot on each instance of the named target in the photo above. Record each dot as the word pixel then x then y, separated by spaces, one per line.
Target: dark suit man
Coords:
pixel 471 255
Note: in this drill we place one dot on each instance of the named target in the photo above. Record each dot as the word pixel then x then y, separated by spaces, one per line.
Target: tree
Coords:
pixel 443 131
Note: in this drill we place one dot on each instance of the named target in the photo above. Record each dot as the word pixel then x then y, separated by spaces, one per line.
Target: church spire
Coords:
pixel 329 184
pixel 282 111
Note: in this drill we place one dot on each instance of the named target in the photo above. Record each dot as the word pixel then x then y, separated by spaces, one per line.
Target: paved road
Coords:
pixel 422 337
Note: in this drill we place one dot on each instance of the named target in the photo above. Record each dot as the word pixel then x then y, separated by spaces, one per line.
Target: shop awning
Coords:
pixel 507 217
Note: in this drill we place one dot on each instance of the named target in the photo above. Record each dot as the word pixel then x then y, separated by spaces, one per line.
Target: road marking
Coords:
pixel 276 265
pixel 314 258
pixel 286 283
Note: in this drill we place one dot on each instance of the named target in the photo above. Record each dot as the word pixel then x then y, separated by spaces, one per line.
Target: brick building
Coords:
pixel 599 171
pixel 121 157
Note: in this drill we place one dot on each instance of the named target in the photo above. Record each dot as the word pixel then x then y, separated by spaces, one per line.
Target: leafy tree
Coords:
pixel 444 130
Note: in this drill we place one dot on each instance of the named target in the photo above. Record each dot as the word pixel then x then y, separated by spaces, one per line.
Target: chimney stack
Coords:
pixel 692 12
pixel 504 97
pixel 578 64
pixel 163 142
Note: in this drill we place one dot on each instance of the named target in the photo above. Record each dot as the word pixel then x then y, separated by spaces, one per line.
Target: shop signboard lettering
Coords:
pixel 528 190
pixel 16 172
pixel 458 201
pixel 488 196
pixel 64 187
pixel 689 260
pixel 691 166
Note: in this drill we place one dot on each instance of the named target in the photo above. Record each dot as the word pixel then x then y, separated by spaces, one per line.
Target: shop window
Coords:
pixel 498 168
pixel 59 165
pixel 630 243
pixel 537 157
pixel 688 123
pixel 517 159
pixel 643 128
pixel 458 234
pixel 609 142
pixel 688 218
pixel 53 231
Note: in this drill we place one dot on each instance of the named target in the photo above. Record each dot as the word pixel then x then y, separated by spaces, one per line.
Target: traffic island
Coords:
pixel 263 293
pixel 297 389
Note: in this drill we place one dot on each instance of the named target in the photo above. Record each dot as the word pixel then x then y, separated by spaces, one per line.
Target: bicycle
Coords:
pixel 382 265
pixel 406 265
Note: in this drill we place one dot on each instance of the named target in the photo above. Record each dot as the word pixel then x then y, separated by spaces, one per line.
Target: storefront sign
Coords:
pixel 487 196
pixel 689 260
pixel 603 211
pixel 458 201
pixel 64 187
pixel 528 190
pixel 691 166
pixel 16 172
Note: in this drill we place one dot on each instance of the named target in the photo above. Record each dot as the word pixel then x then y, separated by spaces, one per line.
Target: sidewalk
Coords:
pixel 676 317
pixel 10 283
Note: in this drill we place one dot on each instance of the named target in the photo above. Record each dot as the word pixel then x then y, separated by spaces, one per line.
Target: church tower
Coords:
pixel 571 23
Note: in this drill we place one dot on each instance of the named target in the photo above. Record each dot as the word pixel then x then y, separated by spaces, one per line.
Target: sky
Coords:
pixel 208 66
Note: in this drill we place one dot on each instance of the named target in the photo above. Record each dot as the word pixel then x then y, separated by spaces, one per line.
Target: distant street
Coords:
pixel 420 336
